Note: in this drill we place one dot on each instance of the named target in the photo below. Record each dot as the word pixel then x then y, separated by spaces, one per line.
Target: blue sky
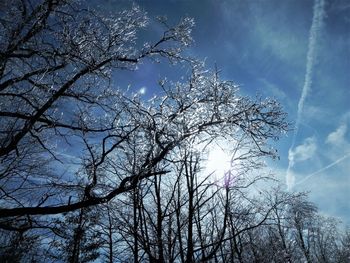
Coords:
pixel 264 46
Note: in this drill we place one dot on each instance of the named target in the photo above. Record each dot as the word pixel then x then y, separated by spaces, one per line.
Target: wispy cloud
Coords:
pixel 303 152
pixel 337 137
pixel 324 168
pixel 316 26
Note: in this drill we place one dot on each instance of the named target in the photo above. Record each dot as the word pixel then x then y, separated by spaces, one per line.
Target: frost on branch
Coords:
pixel 70 141
pixel 60 119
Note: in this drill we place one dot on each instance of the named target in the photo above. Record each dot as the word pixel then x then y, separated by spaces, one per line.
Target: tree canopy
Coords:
pixel 118 176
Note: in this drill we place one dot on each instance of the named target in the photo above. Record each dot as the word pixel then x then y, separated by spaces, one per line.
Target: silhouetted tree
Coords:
pixel 98 172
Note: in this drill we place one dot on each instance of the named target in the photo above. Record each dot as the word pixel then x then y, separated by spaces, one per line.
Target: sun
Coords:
pixel 218 162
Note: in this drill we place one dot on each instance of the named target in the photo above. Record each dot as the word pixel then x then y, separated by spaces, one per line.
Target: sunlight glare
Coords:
pixel 218 163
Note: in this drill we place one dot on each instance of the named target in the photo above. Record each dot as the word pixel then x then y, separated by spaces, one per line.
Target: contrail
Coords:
pixel 324 168
pixel 316 26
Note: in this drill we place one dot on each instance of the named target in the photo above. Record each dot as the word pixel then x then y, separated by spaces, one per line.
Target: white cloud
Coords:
pixel 142 90
pixel 316 27
pixel 325 168
pixel 290 179
pixel 307 150
pixel 303 152
pixel 338 136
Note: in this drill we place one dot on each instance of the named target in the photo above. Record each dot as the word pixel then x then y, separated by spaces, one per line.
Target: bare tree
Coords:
pixel 60 118
pixel 185 215
pixel 70 141
pixel 61 106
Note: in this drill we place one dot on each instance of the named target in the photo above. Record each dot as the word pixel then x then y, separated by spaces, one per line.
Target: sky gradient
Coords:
pixel 297 51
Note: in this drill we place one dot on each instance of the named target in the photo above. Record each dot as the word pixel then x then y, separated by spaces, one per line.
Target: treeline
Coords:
pixel 187 219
